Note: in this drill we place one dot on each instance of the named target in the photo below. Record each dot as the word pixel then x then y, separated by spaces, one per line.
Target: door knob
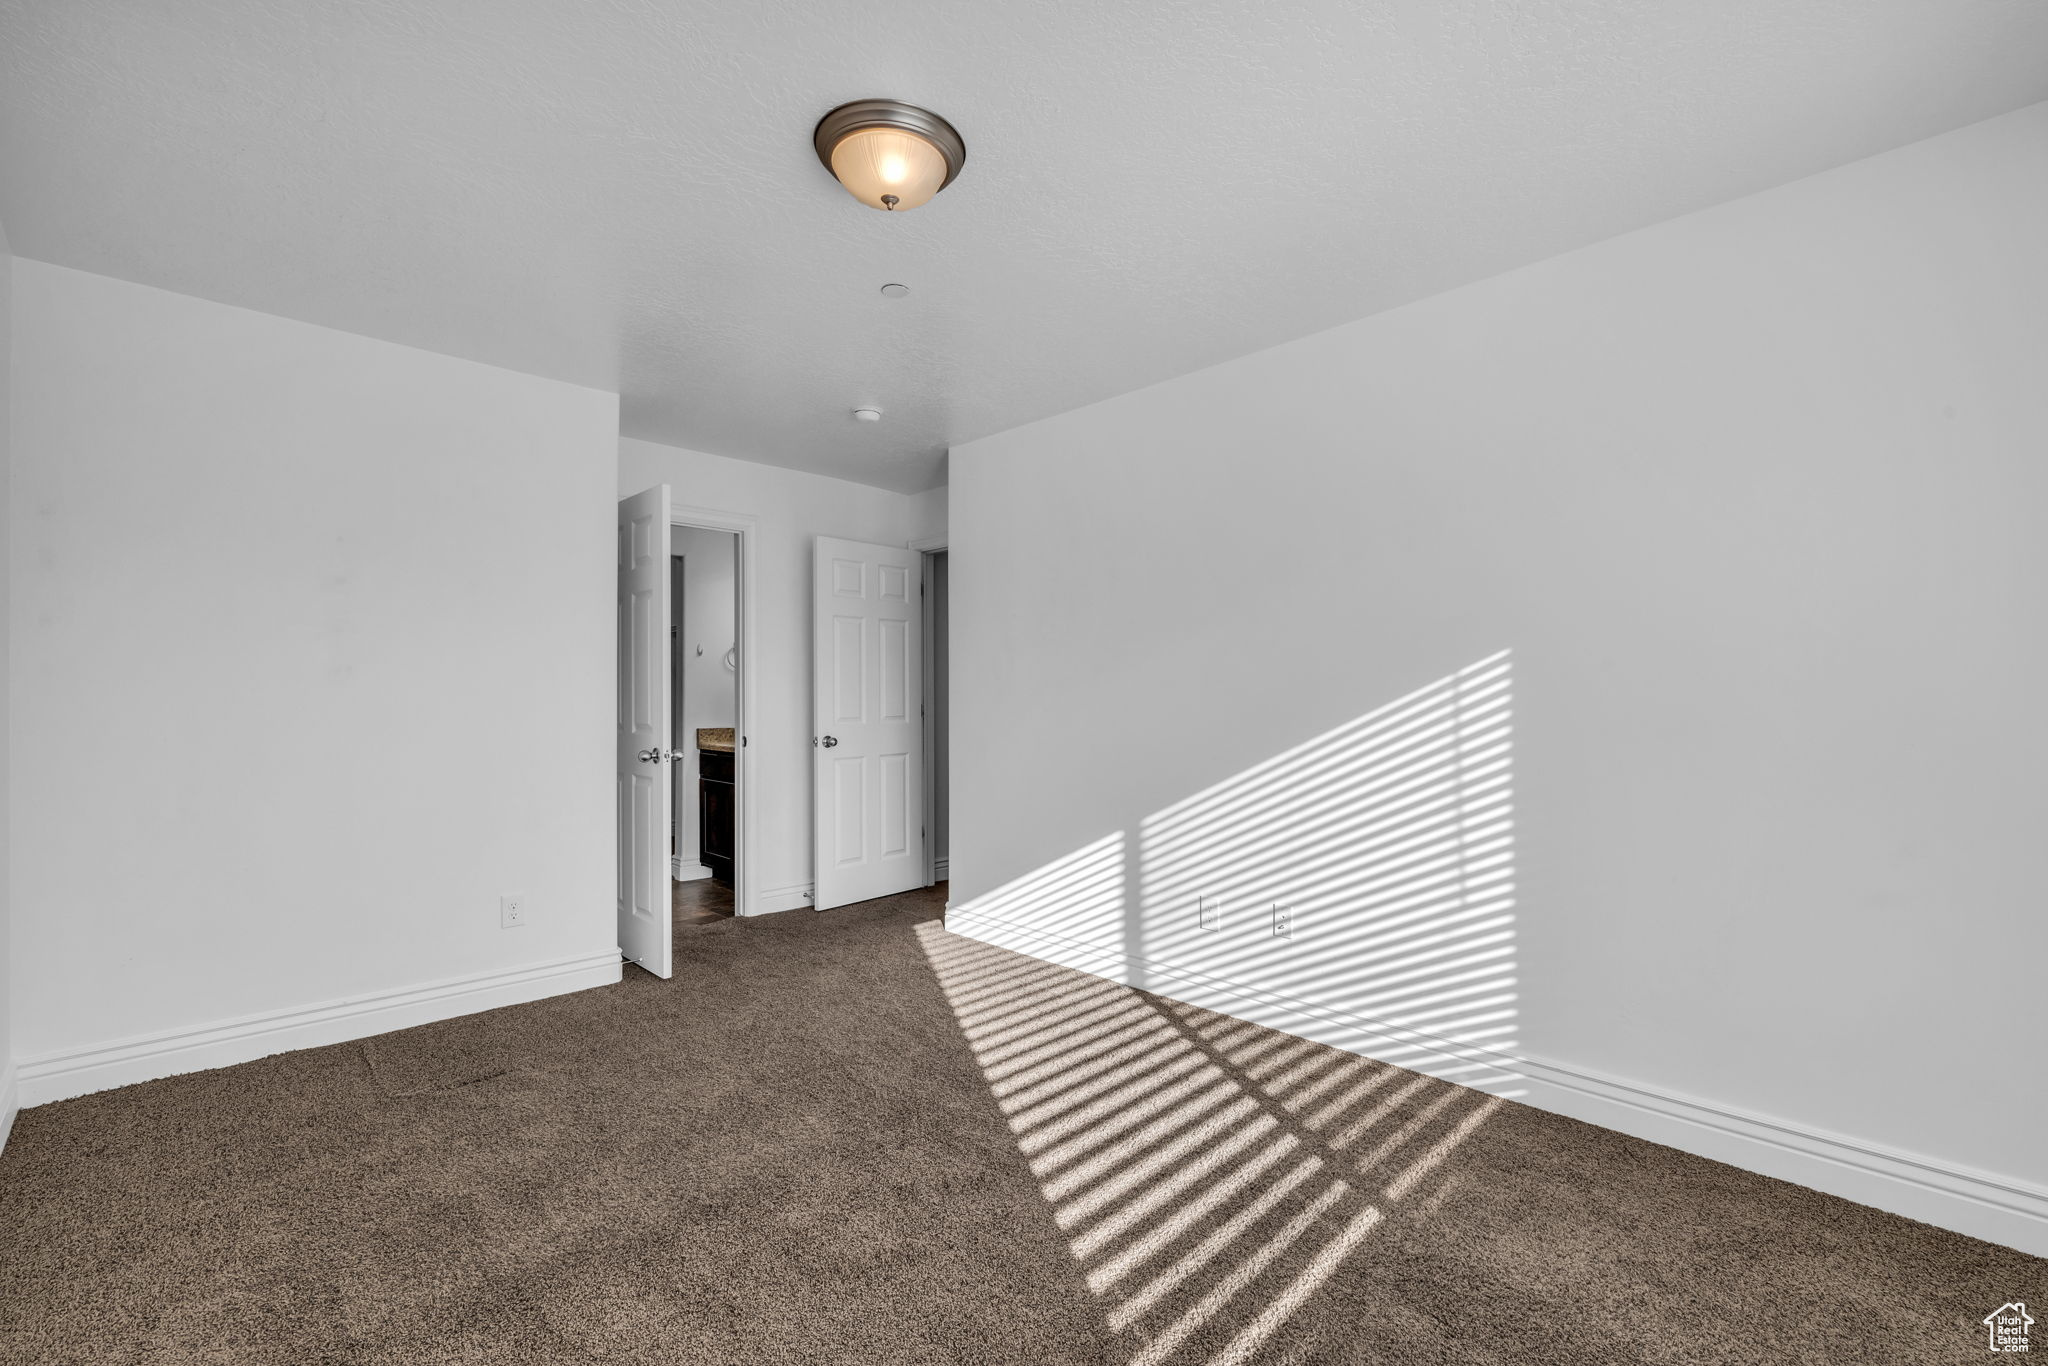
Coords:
pixel 830 741
pixel 650 756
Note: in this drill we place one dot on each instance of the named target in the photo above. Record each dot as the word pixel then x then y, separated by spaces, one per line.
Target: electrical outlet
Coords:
pixel 1209 912
pixel 511 912
pixel 1283 922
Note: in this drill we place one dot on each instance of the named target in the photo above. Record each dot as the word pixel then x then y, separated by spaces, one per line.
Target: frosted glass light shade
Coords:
pixel 877 162
pixel 889 155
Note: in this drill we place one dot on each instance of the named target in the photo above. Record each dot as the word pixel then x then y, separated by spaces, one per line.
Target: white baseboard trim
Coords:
pixel 1996 1208
pixel 939 869
pixel 687 872
pixel 143 1057
pixel 775 899
pixel 10 1100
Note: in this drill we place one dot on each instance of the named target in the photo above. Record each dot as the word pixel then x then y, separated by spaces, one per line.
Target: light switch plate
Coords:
pixel 1209 912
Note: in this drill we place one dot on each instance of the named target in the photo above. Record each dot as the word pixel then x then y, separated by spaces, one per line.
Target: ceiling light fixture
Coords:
pixel 889 155
pixel 867 414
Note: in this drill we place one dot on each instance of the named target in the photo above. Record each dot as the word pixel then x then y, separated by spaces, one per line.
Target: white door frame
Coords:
pixel 929 546
pixel 744 527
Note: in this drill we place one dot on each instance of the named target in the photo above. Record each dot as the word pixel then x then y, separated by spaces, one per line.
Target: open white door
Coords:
pixel 867 701
pixel 645 793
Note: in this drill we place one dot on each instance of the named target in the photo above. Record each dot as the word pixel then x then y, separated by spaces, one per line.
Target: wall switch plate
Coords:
pixel 1283 922
pixel 511 911
pixel 1209 912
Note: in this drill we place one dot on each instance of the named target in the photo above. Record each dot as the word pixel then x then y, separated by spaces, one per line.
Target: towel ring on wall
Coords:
pixel 732 659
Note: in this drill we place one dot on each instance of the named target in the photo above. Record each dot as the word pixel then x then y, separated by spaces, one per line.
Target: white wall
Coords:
pixel 792 508
pixel 941 702
pixel 1755 498
pixel 710 694
pixel 295 718
pixel 9 1097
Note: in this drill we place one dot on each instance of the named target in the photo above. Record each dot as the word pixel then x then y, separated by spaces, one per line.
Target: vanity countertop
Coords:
pixel 716 739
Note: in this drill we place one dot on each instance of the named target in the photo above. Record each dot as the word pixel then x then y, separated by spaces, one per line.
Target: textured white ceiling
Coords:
pixel 622 193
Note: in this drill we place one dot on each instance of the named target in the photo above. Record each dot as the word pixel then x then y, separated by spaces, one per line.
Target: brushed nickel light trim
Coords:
pixel 860 115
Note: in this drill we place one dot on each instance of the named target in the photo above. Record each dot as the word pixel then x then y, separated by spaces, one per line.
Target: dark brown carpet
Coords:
pixel 851 1138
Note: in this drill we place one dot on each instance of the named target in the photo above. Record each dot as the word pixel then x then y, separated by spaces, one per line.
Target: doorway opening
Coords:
pixel 937 605
pixel 664 744
pixel 704 671
pixel 870 684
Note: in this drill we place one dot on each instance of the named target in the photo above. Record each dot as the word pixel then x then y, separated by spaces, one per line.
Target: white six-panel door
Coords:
pixel 645 792
pixel 867 696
